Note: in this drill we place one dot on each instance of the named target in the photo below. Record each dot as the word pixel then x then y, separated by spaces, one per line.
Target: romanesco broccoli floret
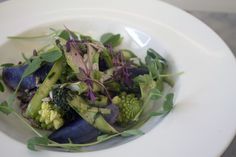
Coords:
pixel 49 117
pixel 129 106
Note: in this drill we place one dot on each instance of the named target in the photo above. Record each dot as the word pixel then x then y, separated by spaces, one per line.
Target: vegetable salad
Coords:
pixel 85 91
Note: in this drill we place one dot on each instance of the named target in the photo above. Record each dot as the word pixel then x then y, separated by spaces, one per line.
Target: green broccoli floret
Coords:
pixel 59 99
pixel 49 117
pixel 129 106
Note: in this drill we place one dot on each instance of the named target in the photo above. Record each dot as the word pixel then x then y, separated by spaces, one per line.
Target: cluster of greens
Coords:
pixel 86 77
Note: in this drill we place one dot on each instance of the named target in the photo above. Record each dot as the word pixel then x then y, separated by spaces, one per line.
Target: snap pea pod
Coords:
pixel 44 89
pixel 93 118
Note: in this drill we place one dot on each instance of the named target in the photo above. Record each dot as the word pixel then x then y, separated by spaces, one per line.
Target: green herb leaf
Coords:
pixel 128 54
pixel 156 63
pixel 146 84
pixel 132 132
pixel 32 67
pixel 30 37
pixel 25 58
pixel 107 58
pixel 5 65
pixel 102 137
pixel 85 37
pixel 64 35
pixel 159 113
pixel 111 39
pixel 152 53
pixel 11 99
pixel 168 104
pixel 4 108
pixel 67 34
pixel 155 94
pixel 2 89
pixel 37 141
pixel 51 56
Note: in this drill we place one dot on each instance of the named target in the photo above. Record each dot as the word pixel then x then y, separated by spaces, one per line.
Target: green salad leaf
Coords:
pixel 111 39
pixel 168 104
pixel 132 132
pixel 155 63
pixel 4 108
pixel 51 56
pixel 37 141
pixel 67 34
pixel 86 37
pixel 32 67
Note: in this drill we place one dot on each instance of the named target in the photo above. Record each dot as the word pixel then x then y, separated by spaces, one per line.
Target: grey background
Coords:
pixel 225 25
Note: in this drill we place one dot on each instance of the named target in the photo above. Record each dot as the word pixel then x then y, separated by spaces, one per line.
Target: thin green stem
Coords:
pixel 27 124
pixel 81 145
pixel 30 37
pixel 171 75
pixel 12 97
pixel 99 83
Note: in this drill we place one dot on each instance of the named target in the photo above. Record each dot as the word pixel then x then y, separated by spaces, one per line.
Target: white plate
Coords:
pixel 202 123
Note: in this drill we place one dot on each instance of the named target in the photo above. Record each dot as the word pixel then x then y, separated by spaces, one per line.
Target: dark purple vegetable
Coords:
pixel 111 118
pixel 102 64
pixel 43 71
pixel 12 75
pixel 79 131
pixel 134 72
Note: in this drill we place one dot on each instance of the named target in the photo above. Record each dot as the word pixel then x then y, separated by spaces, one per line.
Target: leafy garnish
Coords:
pixel 37 141
pixel 32 67
pixel 30 37
pixel 155 63
pixel 146 83
pixel 67 35
pixel 128 54
pixel 2 89
pixel 102 137
pixel 132 132
pixel 5 108
pixel 44 142
pixel 155 94
pixel 111 39
pixel 35 64
pixel 85 37
pixel 5 65
pixel 51 56
pixel 107 58
pixel 167 106
pixel 25 58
